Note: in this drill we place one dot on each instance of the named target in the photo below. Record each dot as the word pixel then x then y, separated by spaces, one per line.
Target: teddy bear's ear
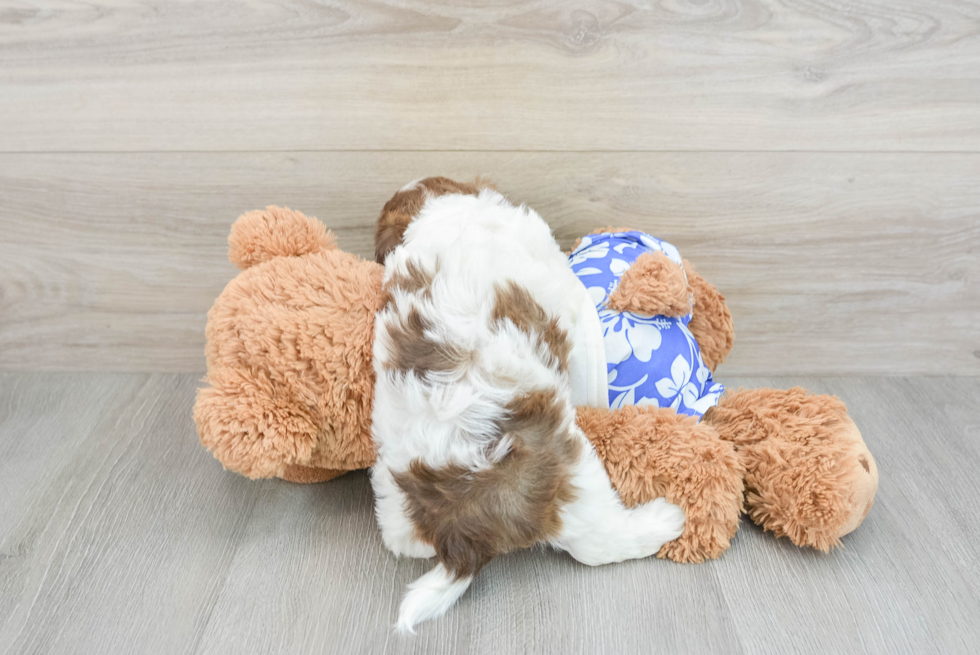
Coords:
pixel 652 285
pixel 259 236
pixel 712 323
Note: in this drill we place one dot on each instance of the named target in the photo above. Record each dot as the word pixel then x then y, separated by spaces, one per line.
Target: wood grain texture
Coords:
pixel 135 540
pixel 140 75
pixel 831 263
pixel 124 537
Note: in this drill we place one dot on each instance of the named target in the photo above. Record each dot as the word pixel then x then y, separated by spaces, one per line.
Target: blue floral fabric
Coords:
pixel 650 360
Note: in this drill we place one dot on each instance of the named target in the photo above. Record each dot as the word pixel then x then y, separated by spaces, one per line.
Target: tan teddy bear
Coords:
pixel 289 356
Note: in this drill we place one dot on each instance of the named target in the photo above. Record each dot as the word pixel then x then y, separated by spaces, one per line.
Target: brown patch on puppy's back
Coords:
pixel 413 350
pixel 472 516
pixel 535 416
pixel 515 304
pixel 414 280
pixel 406 204
pixel 558 343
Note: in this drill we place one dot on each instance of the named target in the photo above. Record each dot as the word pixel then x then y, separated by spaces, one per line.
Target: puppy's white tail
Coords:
pixel 430 596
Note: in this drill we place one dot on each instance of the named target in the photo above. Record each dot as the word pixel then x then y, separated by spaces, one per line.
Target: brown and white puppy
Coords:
pixel 474 412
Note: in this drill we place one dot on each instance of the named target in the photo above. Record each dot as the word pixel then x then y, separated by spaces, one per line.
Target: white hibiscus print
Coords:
pixel 618 267
pixel 673 254
pixel 627 395
pixel 705 402
pixel 626 334
pixel 702 374
pixel 583 254
pixel 621 248
pixel 597 294
pixel 680 376
pixel 680 387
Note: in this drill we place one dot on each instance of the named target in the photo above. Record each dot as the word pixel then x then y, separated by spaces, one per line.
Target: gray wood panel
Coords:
pixel 127 537
pixel 524 75
pixel 832 263
pixel 124 544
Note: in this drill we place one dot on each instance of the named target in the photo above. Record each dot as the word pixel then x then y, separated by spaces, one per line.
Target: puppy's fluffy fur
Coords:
pixel 478 450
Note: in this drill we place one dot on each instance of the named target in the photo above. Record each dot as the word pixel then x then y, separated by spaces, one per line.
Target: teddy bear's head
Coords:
pixel 289 353
pixel 290 343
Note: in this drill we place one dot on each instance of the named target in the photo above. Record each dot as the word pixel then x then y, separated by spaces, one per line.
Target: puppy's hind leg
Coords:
pixel 598 529
pixel 397 530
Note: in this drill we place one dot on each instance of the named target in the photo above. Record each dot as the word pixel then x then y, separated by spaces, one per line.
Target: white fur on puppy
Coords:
pixel 478 451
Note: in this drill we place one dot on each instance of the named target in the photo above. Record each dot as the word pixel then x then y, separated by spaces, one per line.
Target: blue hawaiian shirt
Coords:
pixel 650 360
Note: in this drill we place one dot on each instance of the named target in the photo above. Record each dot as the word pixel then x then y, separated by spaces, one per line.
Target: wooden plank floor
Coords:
pixel 120 534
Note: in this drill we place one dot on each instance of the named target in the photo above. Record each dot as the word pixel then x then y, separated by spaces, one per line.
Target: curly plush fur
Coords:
pixel 291 367
pixel 711 323
pixel 654 286
pixel 260 236
pixel 808 474
pixel 284 399
pixel 653 452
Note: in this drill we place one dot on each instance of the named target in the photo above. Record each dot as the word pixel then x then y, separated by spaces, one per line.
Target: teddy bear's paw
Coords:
pixel 816 500
pixel 706 536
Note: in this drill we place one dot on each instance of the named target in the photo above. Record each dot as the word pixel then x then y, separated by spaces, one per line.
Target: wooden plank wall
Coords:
pixel 820 162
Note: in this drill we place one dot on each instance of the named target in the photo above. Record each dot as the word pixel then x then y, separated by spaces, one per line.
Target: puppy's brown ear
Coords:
pixel 406 204
pixel 395 217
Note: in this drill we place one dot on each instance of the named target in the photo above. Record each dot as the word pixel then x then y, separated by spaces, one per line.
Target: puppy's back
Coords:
pixel 472 416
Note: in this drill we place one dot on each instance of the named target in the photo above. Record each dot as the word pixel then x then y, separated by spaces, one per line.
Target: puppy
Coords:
pixel 475 352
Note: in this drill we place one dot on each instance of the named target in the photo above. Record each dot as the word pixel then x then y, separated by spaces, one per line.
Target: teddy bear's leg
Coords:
pixel 808 474
pixel 650 452
pixel 309 474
